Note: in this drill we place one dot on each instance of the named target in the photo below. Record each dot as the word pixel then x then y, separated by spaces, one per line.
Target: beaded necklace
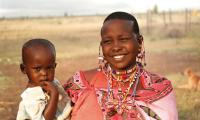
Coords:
pixel 123 76
pixel 117 104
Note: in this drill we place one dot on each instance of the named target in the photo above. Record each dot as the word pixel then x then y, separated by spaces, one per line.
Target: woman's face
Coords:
pixel 119 44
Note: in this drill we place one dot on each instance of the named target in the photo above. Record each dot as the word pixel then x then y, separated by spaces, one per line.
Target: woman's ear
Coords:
pixel 22 67
pixel 140 39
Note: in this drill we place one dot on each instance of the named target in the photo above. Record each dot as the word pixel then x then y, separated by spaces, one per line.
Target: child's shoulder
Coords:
pixel 33 93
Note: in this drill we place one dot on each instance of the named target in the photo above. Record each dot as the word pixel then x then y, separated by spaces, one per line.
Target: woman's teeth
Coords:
pixel 118 57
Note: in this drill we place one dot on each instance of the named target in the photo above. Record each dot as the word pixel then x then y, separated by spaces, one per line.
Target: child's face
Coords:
pixel 119 44
pixel 39 65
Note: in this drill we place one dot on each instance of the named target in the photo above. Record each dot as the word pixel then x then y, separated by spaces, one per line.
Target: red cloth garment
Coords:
pixel 90 98
pixel 86 105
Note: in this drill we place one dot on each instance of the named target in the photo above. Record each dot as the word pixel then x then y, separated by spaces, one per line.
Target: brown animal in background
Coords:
pixel 193 79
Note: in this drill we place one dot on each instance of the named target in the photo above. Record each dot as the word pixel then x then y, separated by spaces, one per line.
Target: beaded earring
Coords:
pixel 100 60
pixel 141 54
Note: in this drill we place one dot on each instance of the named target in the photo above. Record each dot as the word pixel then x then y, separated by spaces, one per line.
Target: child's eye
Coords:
pixel 50 67
pixel 37 69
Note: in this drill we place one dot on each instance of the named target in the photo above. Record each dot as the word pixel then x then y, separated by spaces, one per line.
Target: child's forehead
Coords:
pixel 36 46
pixel 38 50
pixel 35 49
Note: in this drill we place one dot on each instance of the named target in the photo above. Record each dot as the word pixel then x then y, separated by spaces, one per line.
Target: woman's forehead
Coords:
pixel 116 21
pixel 117 24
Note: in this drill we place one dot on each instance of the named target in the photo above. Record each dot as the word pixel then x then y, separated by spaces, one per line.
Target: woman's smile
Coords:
pixel 118 57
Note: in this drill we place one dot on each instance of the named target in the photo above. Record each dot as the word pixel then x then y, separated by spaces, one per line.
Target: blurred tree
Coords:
pixel 155 9
pixel 65 14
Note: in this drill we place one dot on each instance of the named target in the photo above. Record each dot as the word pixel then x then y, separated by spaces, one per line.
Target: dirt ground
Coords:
pixel 172 50
pixel 162 63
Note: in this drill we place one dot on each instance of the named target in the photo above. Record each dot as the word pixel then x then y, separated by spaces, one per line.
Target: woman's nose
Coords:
pixel 116 46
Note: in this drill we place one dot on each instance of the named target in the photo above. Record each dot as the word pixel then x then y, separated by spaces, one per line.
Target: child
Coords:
pixel 44 98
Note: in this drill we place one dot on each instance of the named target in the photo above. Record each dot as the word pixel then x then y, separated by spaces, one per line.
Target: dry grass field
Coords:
pixel 171 46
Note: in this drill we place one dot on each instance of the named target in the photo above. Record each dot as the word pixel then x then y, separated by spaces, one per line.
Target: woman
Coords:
pixel 121 89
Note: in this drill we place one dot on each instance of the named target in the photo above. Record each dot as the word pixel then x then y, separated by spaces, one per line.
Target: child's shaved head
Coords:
pixel 34 43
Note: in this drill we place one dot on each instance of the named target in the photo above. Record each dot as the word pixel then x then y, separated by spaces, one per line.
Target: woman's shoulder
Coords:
pixel 155 87
pixel 79 82
pixel 154 77
pixel 82 78
pixel 89 74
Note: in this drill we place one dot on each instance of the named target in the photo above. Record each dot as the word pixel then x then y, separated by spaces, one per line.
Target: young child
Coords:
pixel 44 98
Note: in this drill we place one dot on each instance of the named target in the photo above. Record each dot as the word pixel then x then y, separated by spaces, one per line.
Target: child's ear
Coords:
pixel 22 67
pixel 55 65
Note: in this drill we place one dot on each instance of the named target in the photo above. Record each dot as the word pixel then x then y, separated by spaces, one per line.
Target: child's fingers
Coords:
pixel 42 84
pixel 45 85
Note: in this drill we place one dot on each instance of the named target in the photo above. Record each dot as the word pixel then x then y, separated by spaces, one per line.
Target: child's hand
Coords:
pixel 51 107
pixel 49 88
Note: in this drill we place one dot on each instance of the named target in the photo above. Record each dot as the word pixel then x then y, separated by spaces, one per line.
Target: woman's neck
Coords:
pixel 126 70
pixel 123 75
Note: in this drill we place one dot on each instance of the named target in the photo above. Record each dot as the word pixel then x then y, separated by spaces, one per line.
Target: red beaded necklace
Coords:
pixel 123 76
pixel 117 103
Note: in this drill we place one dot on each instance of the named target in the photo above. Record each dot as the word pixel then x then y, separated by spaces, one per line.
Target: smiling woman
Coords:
pixel 121 89
pixel 122 48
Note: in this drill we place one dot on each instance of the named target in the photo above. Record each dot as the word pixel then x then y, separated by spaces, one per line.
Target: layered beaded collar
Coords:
pixel 123 76
pixel 117 103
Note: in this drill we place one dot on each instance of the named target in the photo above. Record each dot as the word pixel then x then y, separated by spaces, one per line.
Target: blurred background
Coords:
pixel 170 30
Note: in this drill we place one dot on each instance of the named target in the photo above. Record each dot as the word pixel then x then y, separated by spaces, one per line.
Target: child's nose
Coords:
pixel 44 72
pixel 44 75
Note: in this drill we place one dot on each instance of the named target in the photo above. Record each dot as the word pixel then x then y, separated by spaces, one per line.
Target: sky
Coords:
pixel 17 8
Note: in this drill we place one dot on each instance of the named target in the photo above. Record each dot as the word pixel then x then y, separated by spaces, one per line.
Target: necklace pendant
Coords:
pixel 111 112
pixel 120 110
pixel 120 107
pixel 132 115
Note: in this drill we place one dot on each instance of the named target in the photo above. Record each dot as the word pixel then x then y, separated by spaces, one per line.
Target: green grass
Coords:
pixel 188 101
pixel 177 79
pixel 188 104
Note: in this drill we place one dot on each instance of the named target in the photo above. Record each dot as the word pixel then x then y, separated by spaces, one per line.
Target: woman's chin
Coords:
pixel 119 67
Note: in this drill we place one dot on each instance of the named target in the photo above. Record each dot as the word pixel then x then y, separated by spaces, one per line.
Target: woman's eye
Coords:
pixel 106 41
pixel 124 39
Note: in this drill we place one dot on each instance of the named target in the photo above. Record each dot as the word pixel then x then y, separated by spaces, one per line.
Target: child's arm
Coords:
pixel 51 107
